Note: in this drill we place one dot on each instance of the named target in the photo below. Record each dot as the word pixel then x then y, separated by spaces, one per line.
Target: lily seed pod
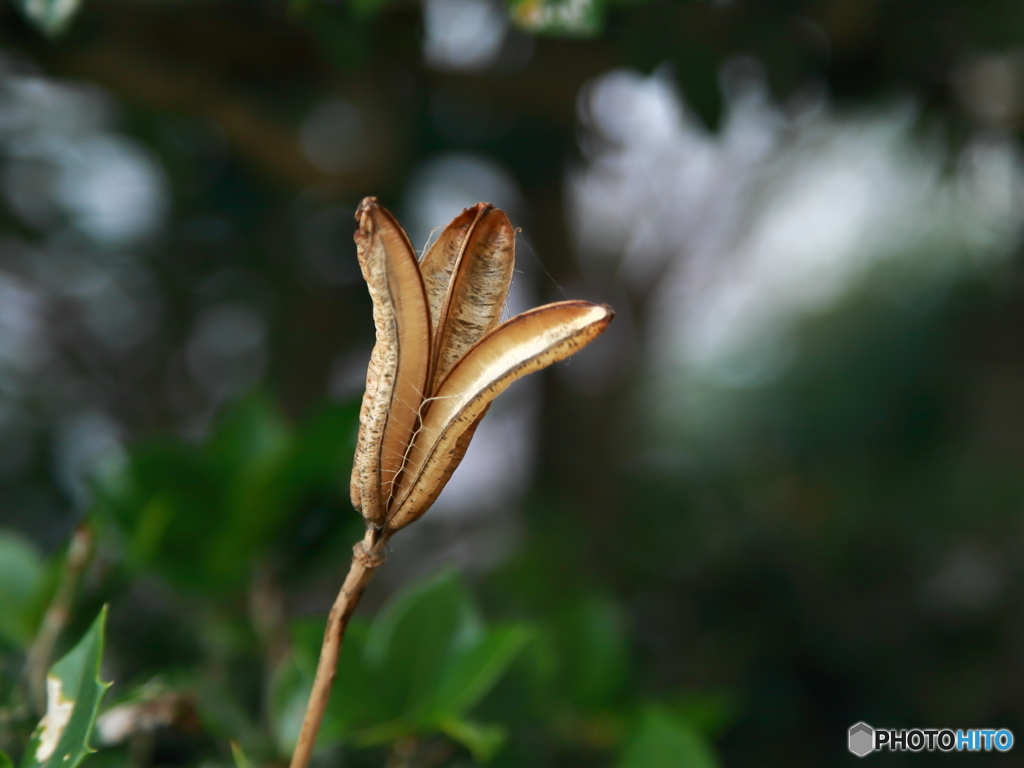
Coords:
pixel 441 356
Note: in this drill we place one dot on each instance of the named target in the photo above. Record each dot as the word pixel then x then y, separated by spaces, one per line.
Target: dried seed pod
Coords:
pixel 396 379
pixel 439 360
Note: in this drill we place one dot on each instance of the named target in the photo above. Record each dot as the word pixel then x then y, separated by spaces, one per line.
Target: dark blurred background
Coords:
pixel 783 493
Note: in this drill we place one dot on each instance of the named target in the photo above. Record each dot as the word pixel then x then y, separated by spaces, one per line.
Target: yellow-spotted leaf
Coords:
pixel 73 695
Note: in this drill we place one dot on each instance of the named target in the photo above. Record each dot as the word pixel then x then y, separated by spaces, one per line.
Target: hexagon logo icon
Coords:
pixel 862 739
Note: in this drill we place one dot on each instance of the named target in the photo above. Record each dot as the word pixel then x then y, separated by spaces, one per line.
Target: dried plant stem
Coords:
pixel 367 556
pixel 40 653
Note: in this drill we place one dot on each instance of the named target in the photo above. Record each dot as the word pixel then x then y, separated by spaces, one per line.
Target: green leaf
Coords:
pixel 710 712
pixel 482 740
pixel 74 693
pixel 21 577
pixel 5 761
pixel 250 450
pixel 51 17
pixel 472 674
pixel 251 434
pixel 241 761
pixel 594 643
pixel 664 740
pixel 416 637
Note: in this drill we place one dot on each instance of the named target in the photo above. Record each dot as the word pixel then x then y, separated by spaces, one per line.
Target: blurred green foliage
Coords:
pixel 21 581
pixel 429 675
pixel 200 516
pixel 662 739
